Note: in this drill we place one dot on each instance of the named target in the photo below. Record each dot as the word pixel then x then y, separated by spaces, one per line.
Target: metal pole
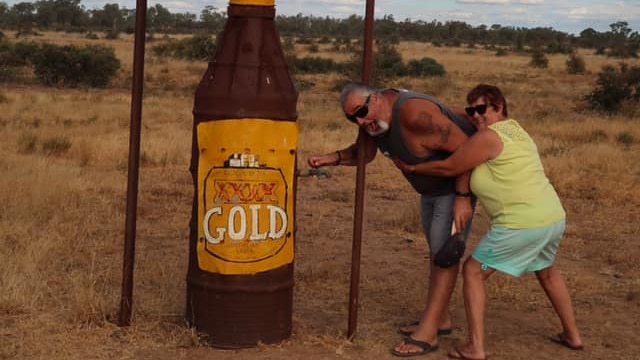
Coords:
pixel 359 200
pixel 126 298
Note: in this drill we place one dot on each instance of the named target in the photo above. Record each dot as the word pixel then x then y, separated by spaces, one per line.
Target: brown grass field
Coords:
pixel 63 157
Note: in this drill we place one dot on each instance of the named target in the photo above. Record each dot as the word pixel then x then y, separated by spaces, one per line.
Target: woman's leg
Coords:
pixel 554 286
pixel 474 303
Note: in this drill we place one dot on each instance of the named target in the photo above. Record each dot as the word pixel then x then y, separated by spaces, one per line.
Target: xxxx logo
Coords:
pixel 244 191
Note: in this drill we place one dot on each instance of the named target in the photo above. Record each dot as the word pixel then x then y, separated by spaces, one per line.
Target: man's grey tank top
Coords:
pixel 391 144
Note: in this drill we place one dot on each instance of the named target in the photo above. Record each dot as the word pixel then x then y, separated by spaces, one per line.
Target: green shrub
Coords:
pixel 92 65
pixel 387 64
pixel 197 47
pixel 56 145
pixel 387 67
pixel 625 138
pixel 539 60
pixel 312 65
pixel 14 55
pixel 112 35
pixel 501 52
pixel 575 64
pixel 425 67
pixel 615 88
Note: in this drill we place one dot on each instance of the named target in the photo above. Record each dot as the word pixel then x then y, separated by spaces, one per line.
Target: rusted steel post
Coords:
pixel 126 298
pixel 359 199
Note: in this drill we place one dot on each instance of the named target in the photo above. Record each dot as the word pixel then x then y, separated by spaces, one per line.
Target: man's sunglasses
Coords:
pixel 480 109
pixel 362 112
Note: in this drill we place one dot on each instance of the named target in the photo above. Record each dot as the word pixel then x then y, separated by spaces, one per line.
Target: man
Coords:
pixel 415 128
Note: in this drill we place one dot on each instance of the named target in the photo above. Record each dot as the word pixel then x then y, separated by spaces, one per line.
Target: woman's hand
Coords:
pixel 403 166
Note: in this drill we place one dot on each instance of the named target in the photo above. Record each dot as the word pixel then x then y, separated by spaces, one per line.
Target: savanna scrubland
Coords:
pixel 64 156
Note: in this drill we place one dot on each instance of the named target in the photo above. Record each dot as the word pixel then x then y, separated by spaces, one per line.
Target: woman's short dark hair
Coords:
pixel 491 94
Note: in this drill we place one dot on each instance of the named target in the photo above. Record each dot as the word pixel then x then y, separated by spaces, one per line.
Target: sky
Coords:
pixel 571 16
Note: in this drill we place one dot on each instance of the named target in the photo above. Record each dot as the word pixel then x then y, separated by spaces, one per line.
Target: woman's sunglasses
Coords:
pixel 360 113
pixel 480 109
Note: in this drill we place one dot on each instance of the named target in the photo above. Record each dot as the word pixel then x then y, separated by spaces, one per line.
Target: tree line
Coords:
pixel 70 15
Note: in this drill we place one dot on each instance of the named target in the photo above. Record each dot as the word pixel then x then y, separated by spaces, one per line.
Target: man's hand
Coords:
pixel 462 212
pixel 323 160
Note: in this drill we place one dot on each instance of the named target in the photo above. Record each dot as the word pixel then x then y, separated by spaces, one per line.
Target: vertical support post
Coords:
pixel 360 175
pixel 126 298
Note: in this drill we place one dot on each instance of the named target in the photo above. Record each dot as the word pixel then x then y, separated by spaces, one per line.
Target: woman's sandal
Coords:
pixel 424 346
pixel 403 332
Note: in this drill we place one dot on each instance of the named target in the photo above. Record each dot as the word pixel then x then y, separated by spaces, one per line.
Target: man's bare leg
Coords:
pixel 436 315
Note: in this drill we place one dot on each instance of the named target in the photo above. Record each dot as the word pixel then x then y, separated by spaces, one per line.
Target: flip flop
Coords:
pixel 459 355
pixel 408 333
pixel 424 346
pixel 561 340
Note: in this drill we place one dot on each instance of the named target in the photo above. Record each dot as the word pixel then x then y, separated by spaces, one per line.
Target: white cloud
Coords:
pixel 483 1
pixel 531 2
pixel 340 2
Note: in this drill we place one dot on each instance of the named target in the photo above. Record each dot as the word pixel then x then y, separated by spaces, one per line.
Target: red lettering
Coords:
pixel 234 192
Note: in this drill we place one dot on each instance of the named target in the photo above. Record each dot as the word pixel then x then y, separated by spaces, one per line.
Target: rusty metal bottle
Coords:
pixel 243 163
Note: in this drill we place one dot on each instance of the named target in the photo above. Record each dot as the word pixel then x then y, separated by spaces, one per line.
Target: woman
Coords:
pixel 527 218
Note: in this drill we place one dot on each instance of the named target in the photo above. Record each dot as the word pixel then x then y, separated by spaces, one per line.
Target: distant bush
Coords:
pixel 112 35
pixel 15 56
pixel 575 64
pixel 313 65
pixel 388 66
pixel 197 47
pixel 72 66
pixel 625 138
pixel 615 88
pixel 501 52
pixel 387 63
pixel 313 48
pixel 425 67
pixel 539 60
pixel 56 145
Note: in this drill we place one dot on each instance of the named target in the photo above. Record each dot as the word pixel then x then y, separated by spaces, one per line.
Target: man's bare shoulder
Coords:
pixel 421 116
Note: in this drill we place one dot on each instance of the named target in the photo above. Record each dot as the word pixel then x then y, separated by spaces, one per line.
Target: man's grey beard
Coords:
pixel 383 127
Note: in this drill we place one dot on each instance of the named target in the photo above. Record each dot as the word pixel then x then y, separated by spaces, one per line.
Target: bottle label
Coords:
pixel 245 195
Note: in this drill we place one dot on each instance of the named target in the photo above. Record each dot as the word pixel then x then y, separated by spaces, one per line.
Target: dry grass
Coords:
pixel 62 220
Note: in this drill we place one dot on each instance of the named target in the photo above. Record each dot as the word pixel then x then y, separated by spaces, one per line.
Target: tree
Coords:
pixel 615 87
pixel 109 17
pixel 622 42
pixel 60 13
pixel 23 16
pixel 212 19
pixel 159 18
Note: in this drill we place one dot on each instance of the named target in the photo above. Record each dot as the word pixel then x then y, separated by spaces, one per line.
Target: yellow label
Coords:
pixel 245 195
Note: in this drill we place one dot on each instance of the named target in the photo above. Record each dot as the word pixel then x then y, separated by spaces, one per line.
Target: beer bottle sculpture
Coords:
pixel 243 164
